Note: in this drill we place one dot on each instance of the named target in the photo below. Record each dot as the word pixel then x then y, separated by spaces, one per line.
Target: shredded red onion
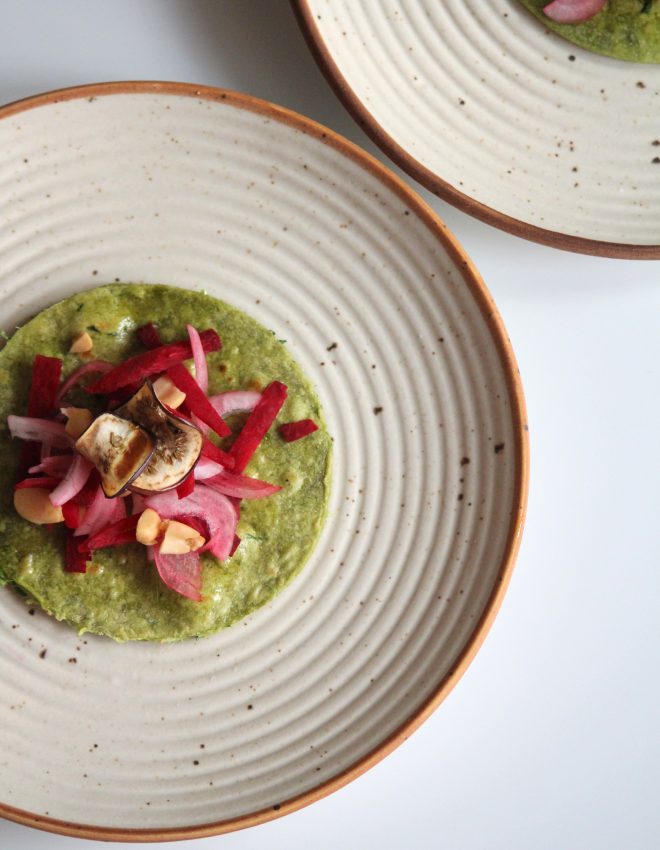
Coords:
pixel 73 482
pixel 199 358
pixel 182 573
pixel 101 512
pixel 212 507
pixel 241 486
pixel 573 11
pixel 55 465
pixel 206 468
pixel 235 401
pixel 31 428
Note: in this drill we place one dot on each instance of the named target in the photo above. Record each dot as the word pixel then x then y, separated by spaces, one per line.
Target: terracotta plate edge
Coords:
pixel 433 182
pixel 475 283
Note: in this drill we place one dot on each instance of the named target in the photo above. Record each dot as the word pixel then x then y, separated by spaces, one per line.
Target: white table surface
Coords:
pixel 551 740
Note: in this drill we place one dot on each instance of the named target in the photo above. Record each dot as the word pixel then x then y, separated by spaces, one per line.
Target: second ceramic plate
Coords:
pixel 506 120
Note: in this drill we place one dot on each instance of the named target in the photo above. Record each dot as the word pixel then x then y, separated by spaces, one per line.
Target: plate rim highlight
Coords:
pixel 486 305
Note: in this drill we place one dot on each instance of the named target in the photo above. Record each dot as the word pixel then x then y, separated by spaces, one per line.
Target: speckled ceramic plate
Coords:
pixel 501 117
pixel 273 213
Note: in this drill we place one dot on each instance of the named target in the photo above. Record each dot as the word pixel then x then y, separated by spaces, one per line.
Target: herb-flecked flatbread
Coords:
pixel 121 594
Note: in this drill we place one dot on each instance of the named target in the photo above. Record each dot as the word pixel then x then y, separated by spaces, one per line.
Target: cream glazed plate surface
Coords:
pixel 501 117
pixel 167 183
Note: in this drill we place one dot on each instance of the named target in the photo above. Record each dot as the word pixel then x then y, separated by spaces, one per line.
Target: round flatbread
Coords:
pixel 121 594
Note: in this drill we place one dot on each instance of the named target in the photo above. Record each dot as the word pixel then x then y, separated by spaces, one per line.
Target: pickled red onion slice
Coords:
pixel 101 512
pixel 573 11
pixel 56 465
pixel 181 573
pixel 213 508
pixel 206 468
pixel 73 482
pixel 241 486
pixel 199 359
pixel 235 401
pixel 31 428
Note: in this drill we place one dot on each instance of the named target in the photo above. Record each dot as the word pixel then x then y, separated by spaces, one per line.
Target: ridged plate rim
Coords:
pixel 487 307
pixel 434 182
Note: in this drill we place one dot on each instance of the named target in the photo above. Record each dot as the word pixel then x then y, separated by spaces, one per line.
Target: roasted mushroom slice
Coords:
pixel 178 442
pixel 119 449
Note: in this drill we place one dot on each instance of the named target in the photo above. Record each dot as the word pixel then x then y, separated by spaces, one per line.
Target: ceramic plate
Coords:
pixel 280 217
pixel 499 116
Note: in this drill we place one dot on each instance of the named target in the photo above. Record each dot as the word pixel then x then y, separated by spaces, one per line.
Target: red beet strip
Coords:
pixel 150 362
pixel 241 486
pixel 44 385
pixel 212 452
pixel 86 496
pixel 198 524
pixel 149 336
pixel 186 487
pixel 291 431
pixel 120 532
pixel 196 401
pixel 46 375
pixel 46 483
pixel 71 514
pixel 76 554
pixel 257 424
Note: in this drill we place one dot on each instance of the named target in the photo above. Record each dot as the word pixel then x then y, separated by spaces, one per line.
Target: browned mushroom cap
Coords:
pixel 119 449
pixel 178 442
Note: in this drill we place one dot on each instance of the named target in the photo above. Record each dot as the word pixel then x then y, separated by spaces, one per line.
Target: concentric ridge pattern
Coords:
pixel 275 215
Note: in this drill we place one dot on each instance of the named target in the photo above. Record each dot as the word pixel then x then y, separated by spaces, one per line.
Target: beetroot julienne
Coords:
pixel 291 431
pixel 196 401
pixel 257 425
pixel 151 362
pixel 119 532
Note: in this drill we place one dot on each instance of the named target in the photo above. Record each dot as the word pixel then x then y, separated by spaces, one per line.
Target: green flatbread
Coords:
pixel 122 596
